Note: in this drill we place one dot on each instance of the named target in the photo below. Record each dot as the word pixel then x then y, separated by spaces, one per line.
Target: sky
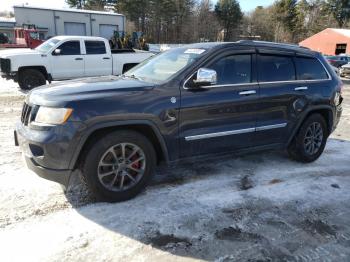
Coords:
pixel 246 5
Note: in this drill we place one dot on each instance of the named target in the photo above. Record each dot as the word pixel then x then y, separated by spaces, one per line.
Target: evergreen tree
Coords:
pixel 229 14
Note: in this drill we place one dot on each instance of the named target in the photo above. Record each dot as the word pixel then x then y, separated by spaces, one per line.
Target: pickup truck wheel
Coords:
pixel 119 165
pixel 31 78
pixel 310 141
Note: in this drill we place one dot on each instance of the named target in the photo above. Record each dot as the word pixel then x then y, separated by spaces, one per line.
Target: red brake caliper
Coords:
pixel 136 165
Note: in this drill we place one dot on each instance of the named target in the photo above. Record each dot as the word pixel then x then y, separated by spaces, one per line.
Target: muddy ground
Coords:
pixel 259 207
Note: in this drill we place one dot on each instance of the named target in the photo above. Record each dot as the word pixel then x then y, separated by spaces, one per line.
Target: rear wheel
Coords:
pixel 310 141
pixel 31 78
pixel 119 165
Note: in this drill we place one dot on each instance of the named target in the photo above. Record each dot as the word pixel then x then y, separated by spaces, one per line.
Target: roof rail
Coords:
pixel 272 43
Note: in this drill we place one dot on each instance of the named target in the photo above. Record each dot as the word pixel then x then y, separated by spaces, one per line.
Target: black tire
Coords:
pixel 30 78
pixel 298 149
pixel 94 155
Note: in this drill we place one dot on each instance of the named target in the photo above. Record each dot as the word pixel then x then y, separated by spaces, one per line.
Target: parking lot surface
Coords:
pixel 261 206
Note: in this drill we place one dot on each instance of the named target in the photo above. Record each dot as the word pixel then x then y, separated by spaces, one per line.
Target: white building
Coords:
pixel 52 22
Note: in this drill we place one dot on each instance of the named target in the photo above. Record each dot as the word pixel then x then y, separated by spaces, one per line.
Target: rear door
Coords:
pixel 69 62
pixel 221 118
pixel 279 91
pixel 98 60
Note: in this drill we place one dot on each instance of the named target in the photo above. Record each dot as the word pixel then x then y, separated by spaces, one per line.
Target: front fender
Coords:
pixel 29 61
pixel 118 123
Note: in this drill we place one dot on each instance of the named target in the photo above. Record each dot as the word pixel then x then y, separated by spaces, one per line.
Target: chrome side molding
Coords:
pixel 235 132
pixel 262 128
pixel 218 134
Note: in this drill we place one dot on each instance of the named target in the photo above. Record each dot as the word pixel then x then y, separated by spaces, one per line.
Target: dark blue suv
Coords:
pixel 195 101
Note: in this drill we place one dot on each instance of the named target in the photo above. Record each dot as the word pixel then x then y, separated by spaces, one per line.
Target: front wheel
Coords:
pixel 310 141
pixel 30 78
pixel 119 165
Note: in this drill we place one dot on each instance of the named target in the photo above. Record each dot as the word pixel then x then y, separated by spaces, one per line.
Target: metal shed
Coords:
pixel 70 21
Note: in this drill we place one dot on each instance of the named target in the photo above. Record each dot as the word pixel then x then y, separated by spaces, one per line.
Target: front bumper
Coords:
pixel 60 176
pixel 48 152
pixel 8 76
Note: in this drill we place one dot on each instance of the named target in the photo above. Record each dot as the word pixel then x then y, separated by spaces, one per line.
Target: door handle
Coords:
pixel 247 93
pixel 78 58
pixel 301 88
pixel 106 58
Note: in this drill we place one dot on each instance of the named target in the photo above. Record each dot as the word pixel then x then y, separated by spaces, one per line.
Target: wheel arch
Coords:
pixel 41 69
pixel 325 111
pixel 144 127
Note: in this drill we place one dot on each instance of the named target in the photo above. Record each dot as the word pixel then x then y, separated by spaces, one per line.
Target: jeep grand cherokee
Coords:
pixel 194 101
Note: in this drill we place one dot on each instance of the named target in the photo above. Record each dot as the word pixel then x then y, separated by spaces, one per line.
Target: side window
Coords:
pixel 275 68
pixel 310 69
pixel 70 48
pixel 95 47
pixel 233 69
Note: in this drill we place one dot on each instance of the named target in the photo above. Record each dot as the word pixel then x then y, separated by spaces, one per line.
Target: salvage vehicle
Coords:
pixel 336 60
pixel 67 57
pixel 188 103
pixel 344 70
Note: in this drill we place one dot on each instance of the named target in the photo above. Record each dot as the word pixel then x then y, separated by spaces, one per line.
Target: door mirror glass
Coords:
pixel 205 77
pixel 57 51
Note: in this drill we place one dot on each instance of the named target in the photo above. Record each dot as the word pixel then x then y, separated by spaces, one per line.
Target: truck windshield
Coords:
pixel 163 66
pixel 47 45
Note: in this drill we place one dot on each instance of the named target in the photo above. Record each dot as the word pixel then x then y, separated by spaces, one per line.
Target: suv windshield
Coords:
pixel 47 45
pixel 162 67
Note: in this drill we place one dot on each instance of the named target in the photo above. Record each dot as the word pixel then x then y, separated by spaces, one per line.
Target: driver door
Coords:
pixel 221 118
pixel 67 61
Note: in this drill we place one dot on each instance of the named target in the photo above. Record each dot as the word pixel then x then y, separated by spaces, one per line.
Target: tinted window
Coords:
pixel 70 48
pixel 309 69
pixel 234 69
pixel 95 47
pixel 275 68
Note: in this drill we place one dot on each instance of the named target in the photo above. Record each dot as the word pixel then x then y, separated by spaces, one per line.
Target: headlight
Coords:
pixel 52 116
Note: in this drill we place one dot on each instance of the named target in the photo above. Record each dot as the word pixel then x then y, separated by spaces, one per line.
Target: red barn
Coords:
pixel 331 41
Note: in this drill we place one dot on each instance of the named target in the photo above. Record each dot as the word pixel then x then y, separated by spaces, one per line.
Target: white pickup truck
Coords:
pixel 66 57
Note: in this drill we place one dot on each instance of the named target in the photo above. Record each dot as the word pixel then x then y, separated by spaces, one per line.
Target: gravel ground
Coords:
pixel 260 207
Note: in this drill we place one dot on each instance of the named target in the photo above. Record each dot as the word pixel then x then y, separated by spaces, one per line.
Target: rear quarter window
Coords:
pixel 310 69
pixel 274 68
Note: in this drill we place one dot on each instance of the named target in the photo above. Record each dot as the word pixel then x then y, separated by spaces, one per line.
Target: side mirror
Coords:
pixel 57 52
pixel 205 77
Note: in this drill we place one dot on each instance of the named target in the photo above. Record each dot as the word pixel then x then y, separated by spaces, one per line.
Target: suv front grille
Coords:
pixel 5 65
pixel 27 114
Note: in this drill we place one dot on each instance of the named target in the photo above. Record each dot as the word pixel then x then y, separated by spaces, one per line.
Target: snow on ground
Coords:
pixel 253 207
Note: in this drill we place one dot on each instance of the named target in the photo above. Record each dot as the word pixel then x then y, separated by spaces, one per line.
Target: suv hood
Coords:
pixel 18 52
pixel 61 93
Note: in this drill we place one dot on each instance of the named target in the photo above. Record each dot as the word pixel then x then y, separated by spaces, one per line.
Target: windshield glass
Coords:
pixel 47 45
pixel 34 35
pixel 162 67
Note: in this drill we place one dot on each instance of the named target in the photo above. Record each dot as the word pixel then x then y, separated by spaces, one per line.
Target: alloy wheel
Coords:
pixel 121 167
pixel 313 138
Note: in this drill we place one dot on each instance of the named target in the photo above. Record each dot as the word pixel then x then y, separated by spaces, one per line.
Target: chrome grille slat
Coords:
pixel 26 113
